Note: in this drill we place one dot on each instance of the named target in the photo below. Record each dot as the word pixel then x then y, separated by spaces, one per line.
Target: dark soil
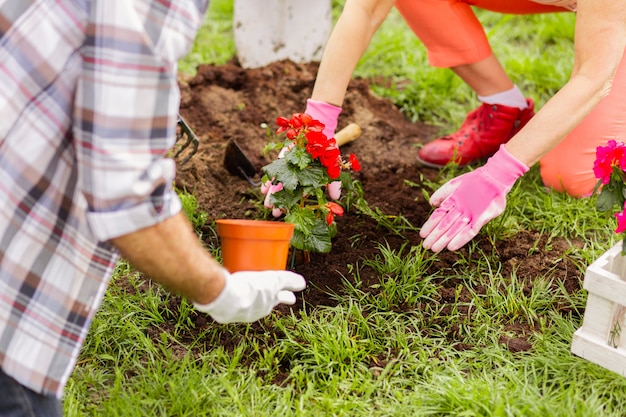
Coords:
pixel 227 102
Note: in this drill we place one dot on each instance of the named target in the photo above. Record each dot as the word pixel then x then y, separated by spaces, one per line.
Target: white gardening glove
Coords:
pixel 251 295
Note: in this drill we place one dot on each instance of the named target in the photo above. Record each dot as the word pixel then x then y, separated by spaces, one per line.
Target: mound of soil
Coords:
pixel 227 102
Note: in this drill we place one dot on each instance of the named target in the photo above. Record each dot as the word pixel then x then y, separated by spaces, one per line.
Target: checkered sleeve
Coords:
pixel 126 108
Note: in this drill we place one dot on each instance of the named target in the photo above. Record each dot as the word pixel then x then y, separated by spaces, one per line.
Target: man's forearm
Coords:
pixel 171 254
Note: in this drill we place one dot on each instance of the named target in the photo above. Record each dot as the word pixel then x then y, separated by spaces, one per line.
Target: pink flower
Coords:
pixel 607 157
pixel 273 188
pixel 334 190
pixel 265 187
pixel 621 220
pixel 276 212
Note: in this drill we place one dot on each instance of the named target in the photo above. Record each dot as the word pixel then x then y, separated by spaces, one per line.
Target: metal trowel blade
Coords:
pixel 237 163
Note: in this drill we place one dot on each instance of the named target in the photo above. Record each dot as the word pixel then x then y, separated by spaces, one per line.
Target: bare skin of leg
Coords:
pixel 485 77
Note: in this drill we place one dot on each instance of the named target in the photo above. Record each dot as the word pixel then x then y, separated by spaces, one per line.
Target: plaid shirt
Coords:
pixel 88 104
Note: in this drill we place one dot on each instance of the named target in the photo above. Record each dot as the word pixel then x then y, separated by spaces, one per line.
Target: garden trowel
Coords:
pixel 237 162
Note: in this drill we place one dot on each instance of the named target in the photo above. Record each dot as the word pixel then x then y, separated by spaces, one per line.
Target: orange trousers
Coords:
pixel 453 36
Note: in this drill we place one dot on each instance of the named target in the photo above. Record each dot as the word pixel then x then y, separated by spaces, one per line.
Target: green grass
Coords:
pixel 365 357
pixel 214 43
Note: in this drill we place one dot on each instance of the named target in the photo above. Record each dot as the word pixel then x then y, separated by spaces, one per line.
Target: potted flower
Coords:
pixel 304 184
pixel 602 337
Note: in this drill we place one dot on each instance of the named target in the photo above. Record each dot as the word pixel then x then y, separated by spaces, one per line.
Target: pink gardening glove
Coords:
pixel 466 203
pixel 326 113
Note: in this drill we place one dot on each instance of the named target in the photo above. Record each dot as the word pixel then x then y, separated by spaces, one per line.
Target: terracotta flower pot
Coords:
pixel 254 245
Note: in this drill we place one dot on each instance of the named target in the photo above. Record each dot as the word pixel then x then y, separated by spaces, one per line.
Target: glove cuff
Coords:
pixel 504 167
pixel 326 113
pixel 222 301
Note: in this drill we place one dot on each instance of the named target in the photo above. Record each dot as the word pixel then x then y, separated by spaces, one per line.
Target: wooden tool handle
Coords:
pixel 348 134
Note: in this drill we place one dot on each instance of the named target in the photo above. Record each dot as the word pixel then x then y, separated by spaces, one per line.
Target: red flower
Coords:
pixel 299 122
pixel 292 134
pixel 354 163
pixel 283 124
pixel 334 170
pixel 315 125
pixel 334 209
pixel 316 144
pixel 331 156
pixel 326 150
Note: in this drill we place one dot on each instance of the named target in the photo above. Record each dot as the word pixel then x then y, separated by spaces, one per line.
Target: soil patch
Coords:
pixel 228 102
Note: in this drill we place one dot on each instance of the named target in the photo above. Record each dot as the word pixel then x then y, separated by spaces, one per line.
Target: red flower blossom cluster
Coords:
pixel 317 144
pixel 299 122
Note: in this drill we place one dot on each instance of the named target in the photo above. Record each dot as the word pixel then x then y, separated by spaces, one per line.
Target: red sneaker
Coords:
pixel 479 137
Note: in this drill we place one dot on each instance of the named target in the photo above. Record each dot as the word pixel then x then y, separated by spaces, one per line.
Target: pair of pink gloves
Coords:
pixel 464 204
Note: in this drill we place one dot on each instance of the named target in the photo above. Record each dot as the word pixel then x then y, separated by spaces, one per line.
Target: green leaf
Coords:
pixel 272 146
pixel 284 172
pixel 315 176
pixel 299 157
pixel 608 198
pixel 286 199
pixel 332 230
pixel 303 219
pixel 317 241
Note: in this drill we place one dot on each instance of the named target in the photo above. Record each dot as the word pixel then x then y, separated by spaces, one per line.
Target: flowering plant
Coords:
pixel 610 169
pixel 303 185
